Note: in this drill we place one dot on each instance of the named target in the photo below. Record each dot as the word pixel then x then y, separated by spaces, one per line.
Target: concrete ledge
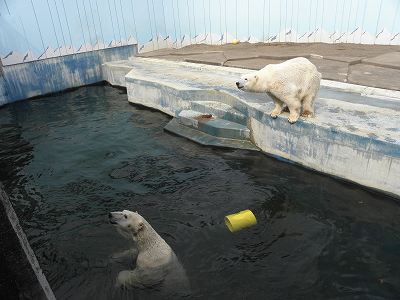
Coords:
pixel 214 126
pixel 353 136
pixel 205 139
pixel 362 89
pixel 221 110
pixel 116 75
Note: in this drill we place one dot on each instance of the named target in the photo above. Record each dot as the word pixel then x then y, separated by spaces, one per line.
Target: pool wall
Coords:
pixel 21 264
pixel 37 78
pixel 3 99
pixel 2 86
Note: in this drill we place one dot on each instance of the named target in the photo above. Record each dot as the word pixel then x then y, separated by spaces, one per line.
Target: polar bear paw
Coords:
pixel 276 112
pixel 307 114
pixel 274 115
pixel 292 119
pixel 128 279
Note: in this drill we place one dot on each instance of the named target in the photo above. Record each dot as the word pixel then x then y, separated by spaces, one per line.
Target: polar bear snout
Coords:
pixel 121 219
pixel 239 85
pixel 112 218
pixel 116 217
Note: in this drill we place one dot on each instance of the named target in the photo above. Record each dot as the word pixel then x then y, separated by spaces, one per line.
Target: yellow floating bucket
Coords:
pixel 240 220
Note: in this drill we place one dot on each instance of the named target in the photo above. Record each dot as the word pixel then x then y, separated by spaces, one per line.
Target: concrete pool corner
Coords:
pixel 354 136
pixel 56 74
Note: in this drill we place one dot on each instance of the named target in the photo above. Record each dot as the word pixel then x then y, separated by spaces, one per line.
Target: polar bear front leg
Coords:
pixel 129 279
pixel 294 106
pixel 132 253
pixel 278 107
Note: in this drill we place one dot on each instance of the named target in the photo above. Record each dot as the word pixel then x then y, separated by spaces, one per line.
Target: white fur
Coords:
pixel 156 262
pixel 293 83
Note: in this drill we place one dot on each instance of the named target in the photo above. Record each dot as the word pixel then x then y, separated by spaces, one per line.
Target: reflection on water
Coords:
pixel 67 160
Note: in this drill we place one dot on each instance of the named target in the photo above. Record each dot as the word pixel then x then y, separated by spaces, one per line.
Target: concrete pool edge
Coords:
pixel 29 276
pixel 361 89
pixel 123 65
pixel 359 156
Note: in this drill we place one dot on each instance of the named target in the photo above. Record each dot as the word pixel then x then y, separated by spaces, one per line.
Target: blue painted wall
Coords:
pixel 51 75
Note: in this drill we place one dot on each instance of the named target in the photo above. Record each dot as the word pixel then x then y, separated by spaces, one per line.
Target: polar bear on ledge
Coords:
pixel 293 83
pixel 156 262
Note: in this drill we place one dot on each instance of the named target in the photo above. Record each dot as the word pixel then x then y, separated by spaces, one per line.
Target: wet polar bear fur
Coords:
pixel 293 83
pixel 156 262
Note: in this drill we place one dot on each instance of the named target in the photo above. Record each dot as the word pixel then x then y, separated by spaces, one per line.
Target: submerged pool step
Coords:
pixel 212 125
pixel 219 109
pixel 203 138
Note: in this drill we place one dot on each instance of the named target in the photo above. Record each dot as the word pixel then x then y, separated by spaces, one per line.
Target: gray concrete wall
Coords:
pixel 56 74
pixel 115 75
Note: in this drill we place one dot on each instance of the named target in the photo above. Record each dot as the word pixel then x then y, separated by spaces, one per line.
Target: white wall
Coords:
pixel 108 20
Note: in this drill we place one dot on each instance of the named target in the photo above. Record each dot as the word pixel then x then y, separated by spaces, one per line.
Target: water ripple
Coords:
pixel 67 160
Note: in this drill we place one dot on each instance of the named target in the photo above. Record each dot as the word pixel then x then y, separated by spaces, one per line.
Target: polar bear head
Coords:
pixel 128 223
pixel 250 82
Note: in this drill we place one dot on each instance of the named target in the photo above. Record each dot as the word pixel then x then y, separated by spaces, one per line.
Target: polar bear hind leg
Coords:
pixel 308 106
pixel 294 106
pixel 308 99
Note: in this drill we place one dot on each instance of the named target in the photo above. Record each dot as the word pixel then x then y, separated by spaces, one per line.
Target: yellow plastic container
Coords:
pixel 240 220
pixel 235 41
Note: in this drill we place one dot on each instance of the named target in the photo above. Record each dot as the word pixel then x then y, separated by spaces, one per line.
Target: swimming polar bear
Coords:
pixel 293 83
pixel 156 262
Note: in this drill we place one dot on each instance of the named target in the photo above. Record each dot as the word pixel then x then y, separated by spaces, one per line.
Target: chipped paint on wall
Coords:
pixel 37 78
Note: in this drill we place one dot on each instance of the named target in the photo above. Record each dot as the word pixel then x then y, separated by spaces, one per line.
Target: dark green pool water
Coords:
pixel 67 160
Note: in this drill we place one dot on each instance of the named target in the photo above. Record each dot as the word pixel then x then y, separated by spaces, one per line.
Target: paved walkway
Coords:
pixel 369 65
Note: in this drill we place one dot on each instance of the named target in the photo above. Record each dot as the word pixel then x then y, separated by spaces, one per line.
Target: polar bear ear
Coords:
pixel 140 226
